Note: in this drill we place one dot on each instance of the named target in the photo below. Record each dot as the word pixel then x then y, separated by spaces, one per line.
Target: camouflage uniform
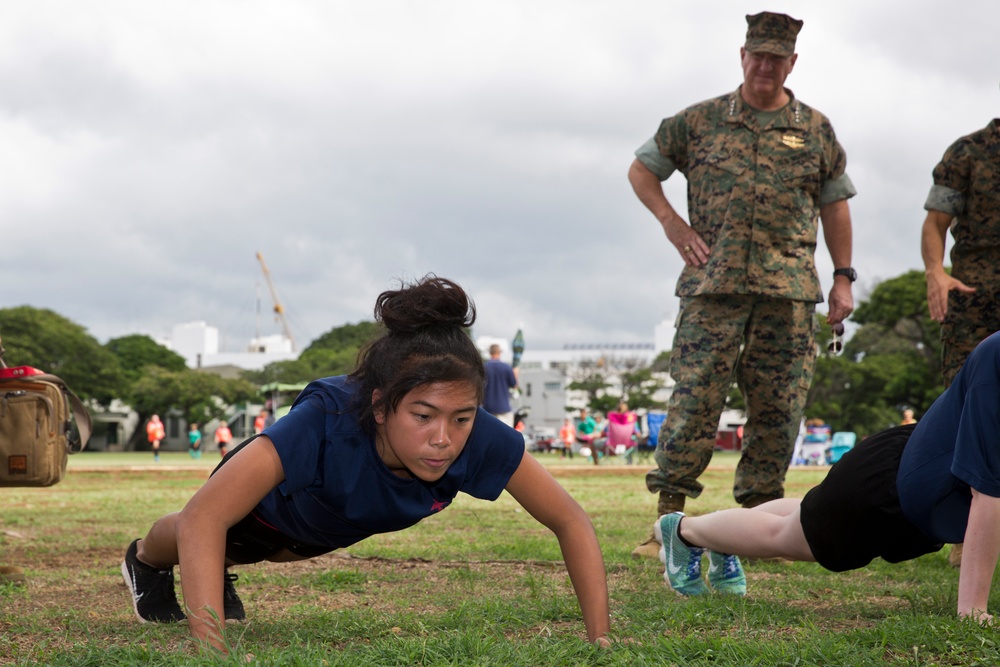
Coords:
pixel 967 186
pixel 756 182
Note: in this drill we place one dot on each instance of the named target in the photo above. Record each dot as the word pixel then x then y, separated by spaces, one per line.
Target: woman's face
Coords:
pixel 428 430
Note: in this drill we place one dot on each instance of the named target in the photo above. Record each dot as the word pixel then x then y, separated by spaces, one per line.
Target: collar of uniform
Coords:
pixel 741 112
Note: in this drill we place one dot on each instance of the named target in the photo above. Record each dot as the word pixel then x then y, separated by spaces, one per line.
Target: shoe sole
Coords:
pixel 131 592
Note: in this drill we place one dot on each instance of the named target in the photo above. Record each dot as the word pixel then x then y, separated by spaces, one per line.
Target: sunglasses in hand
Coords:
pixel 836 345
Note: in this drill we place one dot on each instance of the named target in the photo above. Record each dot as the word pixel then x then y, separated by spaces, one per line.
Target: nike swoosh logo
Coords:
pixel 135 588
pixel 674 569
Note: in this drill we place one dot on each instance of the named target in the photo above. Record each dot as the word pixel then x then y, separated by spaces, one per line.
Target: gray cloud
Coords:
pixel 152 149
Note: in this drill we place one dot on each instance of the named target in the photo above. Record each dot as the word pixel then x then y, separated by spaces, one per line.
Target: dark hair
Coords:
pixel 424 341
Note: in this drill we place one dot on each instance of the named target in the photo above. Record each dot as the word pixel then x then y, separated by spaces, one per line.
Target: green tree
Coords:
pixel 199 395
pixel 892 361
pixel 48 341
pixel 136 352
pixel 333 353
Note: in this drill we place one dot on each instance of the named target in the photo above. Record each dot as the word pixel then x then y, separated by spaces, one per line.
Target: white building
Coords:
pixel 198 343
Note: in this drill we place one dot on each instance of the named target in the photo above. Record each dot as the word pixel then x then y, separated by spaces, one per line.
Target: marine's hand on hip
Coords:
pixel 693 250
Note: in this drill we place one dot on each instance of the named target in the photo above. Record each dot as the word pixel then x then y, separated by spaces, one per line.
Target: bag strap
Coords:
pixel 80 412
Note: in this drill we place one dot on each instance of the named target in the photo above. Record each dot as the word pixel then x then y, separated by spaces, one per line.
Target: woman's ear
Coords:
pixel 379 413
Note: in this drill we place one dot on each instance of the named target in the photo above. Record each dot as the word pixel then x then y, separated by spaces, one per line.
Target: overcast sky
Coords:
pixel 150 149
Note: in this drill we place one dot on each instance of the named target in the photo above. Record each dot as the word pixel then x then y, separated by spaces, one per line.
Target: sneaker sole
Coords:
pixel 131 592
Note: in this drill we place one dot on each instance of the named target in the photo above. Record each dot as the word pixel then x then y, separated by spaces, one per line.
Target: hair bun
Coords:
pixel 429 303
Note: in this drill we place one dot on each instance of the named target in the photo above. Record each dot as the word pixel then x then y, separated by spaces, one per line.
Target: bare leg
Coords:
pixel 780 507
pixel 159 548
pixel 771 530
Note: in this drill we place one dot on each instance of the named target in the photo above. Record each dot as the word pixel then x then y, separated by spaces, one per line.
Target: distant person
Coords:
pixel 268 417
pixel 500 379
pixel 907 417
pixel 155 434
pixel 567 436
pixel 761 167
pixel 194 441
pixel 599 441
pixel 223 436
pixel 586 431
pixel 965 198
pixel 258 422
pixel 900 494
pixel 623 431
pixel 404 432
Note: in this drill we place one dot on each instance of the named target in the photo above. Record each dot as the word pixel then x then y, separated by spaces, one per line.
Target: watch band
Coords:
pixel 847 272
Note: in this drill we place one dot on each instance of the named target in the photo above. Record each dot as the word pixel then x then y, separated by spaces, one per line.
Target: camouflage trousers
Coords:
pixel 768 345
pixel 970 319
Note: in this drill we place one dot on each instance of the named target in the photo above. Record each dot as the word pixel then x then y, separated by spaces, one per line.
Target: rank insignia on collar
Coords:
pixel 792 141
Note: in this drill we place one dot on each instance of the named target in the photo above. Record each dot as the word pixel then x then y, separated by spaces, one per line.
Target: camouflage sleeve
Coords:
pixel 672 141
pixel 837 189
pixel 649 155
pixel 836 184
pixel 954 171
pixel 944 199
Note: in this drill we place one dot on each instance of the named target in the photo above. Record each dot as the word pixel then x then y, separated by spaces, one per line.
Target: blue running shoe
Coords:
pixel 726 574
pixel 682 563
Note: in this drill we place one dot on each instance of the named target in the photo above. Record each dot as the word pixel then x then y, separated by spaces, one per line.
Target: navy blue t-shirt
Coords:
pixel 338 491
pixel 954 447
pixel 499 381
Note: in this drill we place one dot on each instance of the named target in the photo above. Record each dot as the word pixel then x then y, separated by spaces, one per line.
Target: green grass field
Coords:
pixel 479 584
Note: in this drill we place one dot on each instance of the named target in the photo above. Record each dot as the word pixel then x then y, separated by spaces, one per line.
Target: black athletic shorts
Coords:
pixel 253 540
pixel 854 516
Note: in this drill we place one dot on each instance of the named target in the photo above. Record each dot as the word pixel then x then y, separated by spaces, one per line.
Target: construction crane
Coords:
pixel 279 310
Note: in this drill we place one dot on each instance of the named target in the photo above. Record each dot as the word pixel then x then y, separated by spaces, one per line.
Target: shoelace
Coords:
pixel 694 565
pixel 729 568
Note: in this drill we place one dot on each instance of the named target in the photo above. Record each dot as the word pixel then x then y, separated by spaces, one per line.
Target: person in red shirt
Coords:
pixel 223 436
pixel 155 433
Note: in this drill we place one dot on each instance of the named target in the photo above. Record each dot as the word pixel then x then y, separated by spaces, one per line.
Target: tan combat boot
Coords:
pixel 667 504
pixel 955 556
pixel 10 574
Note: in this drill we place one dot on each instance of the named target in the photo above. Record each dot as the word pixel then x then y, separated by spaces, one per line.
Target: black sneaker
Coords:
pixel 153 596
pixel 231 603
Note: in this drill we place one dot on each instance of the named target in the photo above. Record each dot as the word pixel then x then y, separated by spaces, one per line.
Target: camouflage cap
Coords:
pixel 768 32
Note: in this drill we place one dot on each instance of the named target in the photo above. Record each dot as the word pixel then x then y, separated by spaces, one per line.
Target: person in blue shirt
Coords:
pixel 372 452
pixel 900 494
pixel 500 379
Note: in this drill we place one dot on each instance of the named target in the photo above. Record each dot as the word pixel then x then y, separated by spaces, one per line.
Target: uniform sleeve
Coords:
pixel 952 177
pixel 944 199
pixel 955 168
pixel 649 155
pixel 837 189
pixel 837 184
pixel 672 141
